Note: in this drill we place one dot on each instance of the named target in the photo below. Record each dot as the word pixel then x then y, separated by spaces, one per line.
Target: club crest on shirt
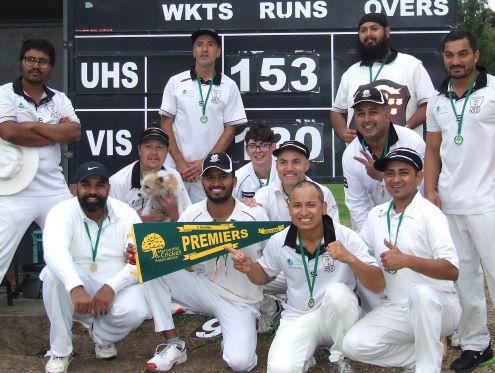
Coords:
pixel 441 109
pixel 294 263
pixel 187 93
pixel 475 104
pixel 328 263
pixel 216 94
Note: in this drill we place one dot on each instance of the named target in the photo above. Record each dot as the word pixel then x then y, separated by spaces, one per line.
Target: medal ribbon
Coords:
pixel 311 284
pixel 385 147
pixel 203 106
pixel 461 117
pixel 378 73
pixel 398 227
pixel 94 249
pixel 267 180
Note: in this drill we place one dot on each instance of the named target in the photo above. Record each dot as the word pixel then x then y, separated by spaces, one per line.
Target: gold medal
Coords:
pixel 93 267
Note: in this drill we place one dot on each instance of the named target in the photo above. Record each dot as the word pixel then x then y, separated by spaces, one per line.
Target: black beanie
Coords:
pixel 379 18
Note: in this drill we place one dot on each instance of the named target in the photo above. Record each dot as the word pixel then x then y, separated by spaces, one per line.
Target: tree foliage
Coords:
pixel 477 17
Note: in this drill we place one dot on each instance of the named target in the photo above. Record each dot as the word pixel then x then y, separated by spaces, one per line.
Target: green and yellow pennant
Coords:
pixel 164 248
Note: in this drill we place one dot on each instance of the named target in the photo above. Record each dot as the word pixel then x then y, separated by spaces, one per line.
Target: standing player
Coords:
pixel 214 288
pixel 199 111
pixel 126 183
pixel 261 171
pixel 364 186
pixel 459 162
pixel 401 76
pixel 34 116
pixel 321 260
pixel 421 306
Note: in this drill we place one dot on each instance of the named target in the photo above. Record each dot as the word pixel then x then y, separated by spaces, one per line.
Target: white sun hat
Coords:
pixel 18 167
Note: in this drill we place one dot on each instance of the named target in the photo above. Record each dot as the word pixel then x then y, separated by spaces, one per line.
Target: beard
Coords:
pixel 92 207
pixel 374 52
pixel 220 199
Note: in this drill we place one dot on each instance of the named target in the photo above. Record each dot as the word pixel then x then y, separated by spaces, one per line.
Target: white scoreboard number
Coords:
pixel 260 72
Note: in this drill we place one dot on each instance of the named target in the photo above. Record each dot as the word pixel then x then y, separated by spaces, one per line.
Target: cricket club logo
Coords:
pixel 366 93
pixel 475 104
pixel 214 158
pixel 216 94
pixel 328 263
pixel 398 98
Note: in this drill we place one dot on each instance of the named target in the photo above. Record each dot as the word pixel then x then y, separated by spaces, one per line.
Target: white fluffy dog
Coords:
pixel 159 183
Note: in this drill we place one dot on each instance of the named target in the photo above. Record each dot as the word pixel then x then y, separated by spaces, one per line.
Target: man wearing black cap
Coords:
pixel 363 185
pixel 292 164
pixel 214 288
pixel 410 237
pixel 200 109
pixel 126 183
pixel 84 240
pixel 402 76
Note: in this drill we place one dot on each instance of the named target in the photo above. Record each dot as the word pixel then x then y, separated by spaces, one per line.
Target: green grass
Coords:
pixel 338 193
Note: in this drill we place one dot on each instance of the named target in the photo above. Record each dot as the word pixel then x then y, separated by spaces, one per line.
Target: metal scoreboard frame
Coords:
pixel 287 58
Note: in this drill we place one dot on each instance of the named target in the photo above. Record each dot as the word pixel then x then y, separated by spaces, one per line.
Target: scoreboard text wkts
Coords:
pixel 287 58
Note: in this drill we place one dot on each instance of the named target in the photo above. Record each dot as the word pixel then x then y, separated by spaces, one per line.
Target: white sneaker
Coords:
pixel 57 364
pixel 343 365
pixel 105 352
pixel 166 357
pixel 267 321
pixel 310 363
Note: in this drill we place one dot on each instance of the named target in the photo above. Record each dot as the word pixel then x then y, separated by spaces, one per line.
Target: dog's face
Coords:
pixel 158 184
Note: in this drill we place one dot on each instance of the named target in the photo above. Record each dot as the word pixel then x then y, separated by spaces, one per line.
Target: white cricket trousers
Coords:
pixel 296 339
pixel 17 214
pixel 406 334
pixel 237 321
pixel 128 310
pixel 474 239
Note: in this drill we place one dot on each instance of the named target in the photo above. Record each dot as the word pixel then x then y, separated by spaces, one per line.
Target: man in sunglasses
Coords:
pixel 34 121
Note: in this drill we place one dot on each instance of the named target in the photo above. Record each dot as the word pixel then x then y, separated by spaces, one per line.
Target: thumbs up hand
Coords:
pixel 393 259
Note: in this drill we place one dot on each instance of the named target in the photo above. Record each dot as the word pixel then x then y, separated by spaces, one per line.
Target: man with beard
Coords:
pixel 402 76
pixel 34 119
pixel 459 165
pixel 214 288
pixel 84 240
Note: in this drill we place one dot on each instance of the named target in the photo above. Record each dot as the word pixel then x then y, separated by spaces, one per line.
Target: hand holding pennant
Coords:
pixel 167 247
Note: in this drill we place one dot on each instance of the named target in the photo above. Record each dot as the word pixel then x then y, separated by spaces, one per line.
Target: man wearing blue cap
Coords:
pixel 84 241
pixel 402 76
pixel 410 237
pixel 200 110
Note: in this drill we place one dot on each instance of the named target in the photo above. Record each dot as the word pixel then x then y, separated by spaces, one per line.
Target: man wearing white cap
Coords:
pixel 34 121
pixel 84 241
pixel 363 185
pixel 410 237
pixel 200 110
pixel 215 288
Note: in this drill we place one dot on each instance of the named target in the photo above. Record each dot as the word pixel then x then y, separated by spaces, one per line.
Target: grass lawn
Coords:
pixel 338 193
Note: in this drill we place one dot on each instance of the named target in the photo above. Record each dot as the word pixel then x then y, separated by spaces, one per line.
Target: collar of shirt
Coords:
pixel 136 175
pixel 328 237
pixel 481 82
pixel 389 59
pixel 392 139
pixel 217 79
pixel 17 85
pixel 411 209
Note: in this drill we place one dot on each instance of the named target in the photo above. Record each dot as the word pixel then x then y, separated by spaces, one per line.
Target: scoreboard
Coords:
pixel 286 57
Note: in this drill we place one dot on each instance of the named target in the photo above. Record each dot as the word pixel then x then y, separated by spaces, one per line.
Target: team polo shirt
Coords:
pixel 181 101
pixel 466 182
pixel 403 78
pixel 424 232
pixel 17 106
pixel 282 254
pixel 362 192
pixel 220 272
pixel 67 245
pixel 248 182
pixel 274 201
pixel 126 184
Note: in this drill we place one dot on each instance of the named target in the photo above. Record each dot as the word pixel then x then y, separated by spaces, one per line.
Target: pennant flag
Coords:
pixel 167 247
